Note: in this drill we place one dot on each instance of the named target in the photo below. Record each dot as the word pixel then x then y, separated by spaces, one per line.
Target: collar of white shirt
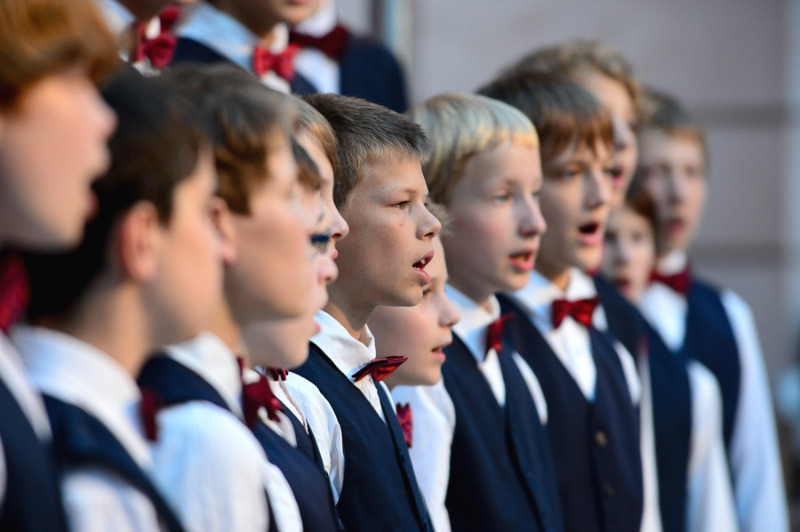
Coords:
pixel 673 262
pixel 208 356
pixel 223 33
pixel 538 295
pixel 348 354
pixel 472 327
pixel 76 372
pixel 321 22
pixel 12 372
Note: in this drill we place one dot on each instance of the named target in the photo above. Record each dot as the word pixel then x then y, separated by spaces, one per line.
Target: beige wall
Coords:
pixel 735 62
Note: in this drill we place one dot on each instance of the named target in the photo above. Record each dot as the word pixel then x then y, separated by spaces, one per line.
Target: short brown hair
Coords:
pixel 42 37
pixel 243 116
pixel 366 132
pixel 307 169
pixel 664 112
pixel 574 59
pixel 563 112
pixel 311 121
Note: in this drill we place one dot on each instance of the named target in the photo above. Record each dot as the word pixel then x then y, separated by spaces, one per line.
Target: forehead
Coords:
pixel 394 173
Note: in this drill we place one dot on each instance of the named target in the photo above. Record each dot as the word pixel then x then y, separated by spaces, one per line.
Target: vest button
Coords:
pixel 601 438
pixel 608 490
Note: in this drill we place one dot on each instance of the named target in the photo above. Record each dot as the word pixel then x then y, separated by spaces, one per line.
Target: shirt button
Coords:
pixel 608 490
pixel 601 438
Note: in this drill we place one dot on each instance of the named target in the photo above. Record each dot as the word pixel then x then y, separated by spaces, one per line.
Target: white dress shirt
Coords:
pixel 322 71
pixel 212 468
pixel 348 355
pixel 229 37
pixel 433 410
pixel 95 498
pixel 753 453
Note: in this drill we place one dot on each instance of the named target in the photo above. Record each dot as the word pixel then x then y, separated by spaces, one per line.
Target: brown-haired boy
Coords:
pixel 381 193
pixel 702 322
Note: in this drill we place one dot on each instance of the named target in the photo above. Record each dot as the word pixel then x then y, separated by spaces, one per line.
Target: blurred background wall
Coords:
pixel 734 63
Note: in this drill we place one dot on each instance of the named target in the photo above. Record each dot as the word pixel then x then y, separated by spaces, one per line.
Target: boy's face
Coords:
pixel 673 170
pixel 52 145
pixel 419 332
pixel 496 222
pixel 270 277
pixel 383 260
pixel 630 252
pixel 188 286
pixel 575 200
pixel 613 96
pixel 294 12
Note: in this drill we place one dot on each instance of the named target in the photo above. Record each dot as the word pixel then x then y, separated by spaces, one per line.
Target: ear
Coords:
pixel 138 242
pixel 222 219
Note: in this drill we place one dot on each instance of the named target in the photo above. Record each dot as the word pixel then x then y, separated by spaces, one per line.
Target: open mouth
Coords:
pixel 616 174
pixel 674 225
pixel 419 268
pixel 438 352
pixel 590 234
pixel 589 228
pixel 523 261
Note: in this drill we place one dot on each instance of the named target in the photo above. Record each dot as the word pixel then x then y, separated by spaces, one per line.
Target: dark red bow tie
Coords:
pixel 278 374
pixel 160 49
pixel 678 282
pixel 331 44
pixel 280 63
pixel 494 333
pixel 256 395
pixel 580 310
pixel 150 404
pixel 14 290
pixel 406 420
pixel 379 368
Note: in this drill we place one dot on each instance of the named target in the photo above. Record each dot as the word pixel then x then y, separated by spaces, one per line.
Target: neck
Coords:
pixel 225 327
pixel 355 322
pixel 557 276
pixel 478 294
pixel 114 321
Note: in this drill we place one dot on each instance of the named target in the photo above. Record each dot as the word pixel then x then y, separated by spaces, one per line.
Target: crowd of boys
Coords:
pixel 227 307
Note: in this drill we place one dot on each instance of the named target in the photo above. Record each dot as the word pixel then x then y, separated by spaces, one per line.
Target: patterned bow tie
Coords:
pixel 256 395
pixel 14 290
pixel 678 282
pixel 494 333
pixel 379 368
pixel 580 310
pixel 148 409
pixel 406 420
pixel 281 63
pixel 160 49
pixel 331 44
pixel 278 374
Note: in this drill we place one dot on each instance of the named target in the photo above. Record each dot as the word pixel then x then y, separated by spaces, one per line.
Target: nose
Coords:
pixel 597 188
pixel 532 222
pixel 429 226
pixel 624 136
pixel 103 116
pixel 449 315
pixel 339 227
pixel 675 187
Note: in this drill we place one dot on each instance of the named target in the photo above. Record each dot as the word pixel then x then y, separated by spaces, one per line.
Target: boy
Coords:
pixel 485 170
pixel 603 71
pixel 49 103
pixel 148 272
pixel 381 193
pixel 334 59
pixel 251 35
pixel 701 322
pixel 589 381
pixel 219 485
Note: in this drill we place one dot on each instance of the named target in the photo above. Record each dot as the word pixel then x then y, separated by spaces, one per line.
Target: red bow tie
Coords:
pixel 406 420
pixel 256 395
pixel 160 49
pixel 331 44
pixel 494 333
pixel 678 282
pixel 280 63
pixel 15 292
pixel 581 310
pixel 379 368
pixel 278 374
pixel 148 409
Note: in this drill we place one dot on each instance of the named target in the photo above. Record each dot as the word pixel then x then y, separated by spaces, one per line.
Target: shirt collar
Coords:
pixel 538 295
pixel 674 262
pixel 78 373
pixel 475 319
pixel 208 356
pixel 347 353
pixel 118 18
pixel 321 22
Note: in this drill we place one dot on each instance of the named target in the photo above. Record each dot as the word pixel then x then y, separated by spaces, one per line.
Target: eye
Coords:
pixel 501 197
pixel 401 204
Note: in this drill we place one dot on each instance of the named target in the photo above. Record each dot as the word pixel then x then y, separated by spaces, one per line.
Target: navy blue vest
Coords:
pixel 380 489
pixel 672 402
pixel 501 468
pixel 596 445
pixel 191 50
pixel 32 500
pixel 179 384
pixel 711 341
pixel 81 440
pixel 305 438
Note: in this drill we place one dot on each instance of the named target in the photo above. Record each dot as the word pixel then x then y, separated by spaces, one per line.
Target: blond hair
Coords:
pixel 459 126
